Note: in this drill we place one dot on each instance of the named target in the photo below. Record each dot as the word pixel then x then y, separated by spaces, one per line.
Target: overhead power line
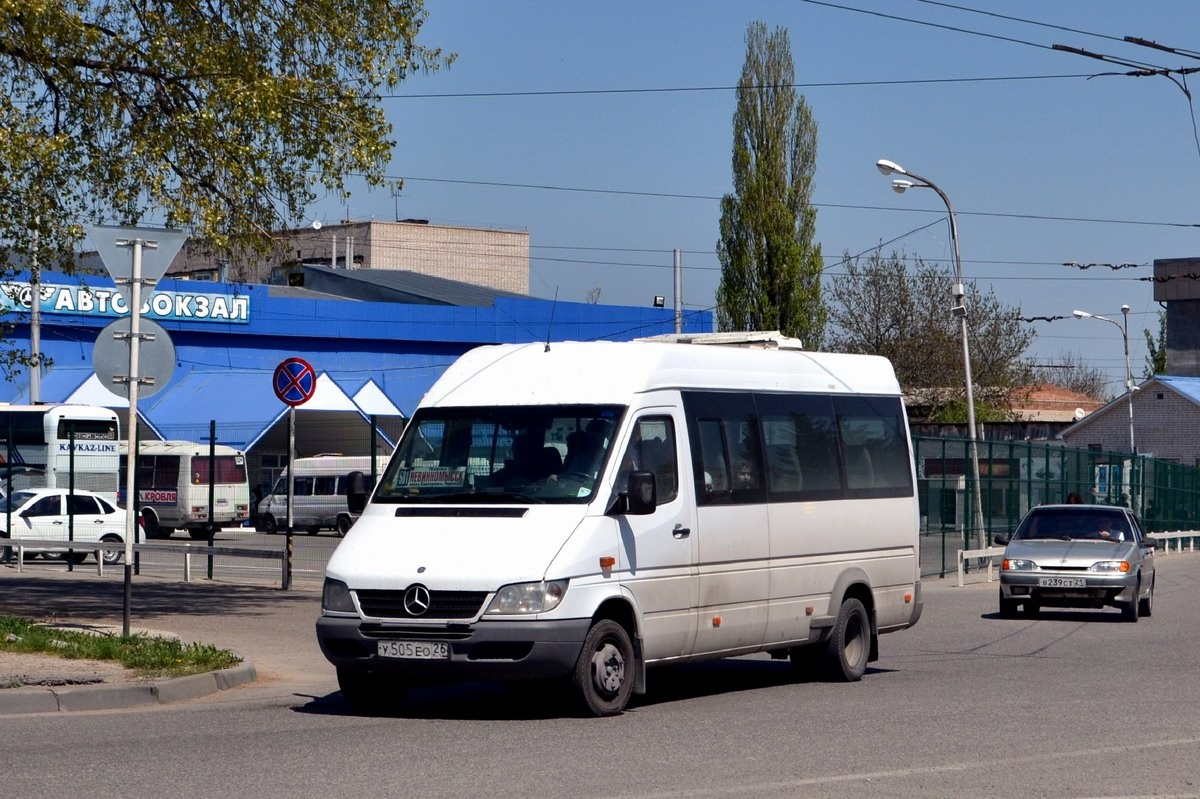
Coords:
pixel 716 198
pixel 732 87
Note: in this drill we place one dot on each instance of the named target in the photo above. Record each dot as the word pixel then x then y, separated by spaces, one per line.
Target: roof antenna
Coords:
pixel 550 326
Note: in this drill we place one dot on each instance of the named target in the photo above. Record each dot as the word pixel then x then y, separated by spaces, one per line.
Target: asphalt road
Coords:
pixel 1072 704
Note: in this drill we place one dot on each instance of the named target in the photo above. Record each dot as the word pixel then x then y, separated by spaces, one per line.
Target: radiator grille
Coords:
pixel 442 605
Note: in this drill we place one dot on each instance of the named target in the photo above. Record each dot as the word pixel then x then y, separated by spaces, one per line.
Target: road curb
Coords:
pixel 36 699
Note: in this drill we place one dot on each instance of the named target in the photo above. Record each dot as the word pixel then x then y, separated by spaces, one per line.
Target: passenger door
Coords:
pixel 658 550
pixel 733 548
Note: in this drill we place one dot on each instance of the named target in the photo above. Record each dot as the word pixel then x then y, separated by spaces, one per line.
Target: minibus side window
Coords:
pixel 302 487
pixel 325 486
pixel 801 446
pixel 727 448
pixel 874 445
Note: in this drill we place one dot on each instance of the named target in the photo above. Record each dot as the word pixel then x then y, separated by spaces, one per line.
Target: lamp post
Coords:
pixel 1124 328
pixel 959 310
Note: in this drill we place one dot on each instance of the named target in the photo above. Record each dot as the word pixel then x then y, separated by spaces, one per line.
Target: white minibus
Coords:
pixel 592 510
pixel 318 492
pixel 174 487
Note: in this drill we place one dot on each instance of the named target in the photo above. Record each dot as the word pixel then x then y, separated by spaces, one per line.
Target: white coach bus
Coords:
pixel 591 510
pixel 174 487
pixel 59 446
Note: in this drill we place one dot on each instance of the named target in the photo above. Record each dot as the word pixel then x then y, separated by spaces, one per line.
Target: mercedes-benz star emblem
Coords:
pixel 416 600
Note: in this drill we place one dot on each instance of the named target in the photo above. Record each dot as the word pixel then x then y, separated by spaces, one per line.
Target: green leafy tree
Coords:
pixel 770 266
pixel 221 119
pixel 877 306
pixel 1156 349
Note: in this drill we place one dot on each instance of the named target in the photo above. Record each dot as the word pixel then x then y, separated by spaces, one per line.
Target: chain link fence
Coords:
pixel 1015 476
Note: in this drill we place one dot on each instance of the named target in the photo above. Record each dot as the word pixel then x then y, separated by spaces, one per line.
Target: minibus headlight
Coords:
pixel 335 596
pixel 528 598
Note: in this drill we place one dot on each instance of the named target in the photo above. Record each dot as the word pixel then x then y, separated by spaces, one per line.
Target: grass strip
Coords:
pixel 148 656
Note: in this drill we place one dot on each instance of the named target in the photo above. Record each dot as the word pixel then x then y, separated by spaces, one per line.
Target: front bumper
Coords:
pixel 499 650
pixel 1099 590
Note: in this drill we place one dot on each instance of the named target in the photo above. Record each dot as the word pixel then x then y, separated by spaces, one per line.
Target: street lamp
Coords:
pixel 1124 328
pixel 959 310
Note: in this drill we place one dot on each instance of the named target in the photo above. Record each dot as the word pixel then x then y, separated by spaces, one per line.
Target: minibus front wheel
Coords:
pixel 604 674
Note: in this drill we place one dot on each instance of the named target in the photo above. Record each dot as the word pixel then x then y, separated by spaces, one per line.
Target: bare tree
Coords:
pixel 1071 372
pixel 880 306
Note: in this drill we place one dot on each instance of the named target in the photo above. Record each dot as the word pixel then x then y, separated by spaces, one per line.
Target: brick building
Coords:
pixel 487 257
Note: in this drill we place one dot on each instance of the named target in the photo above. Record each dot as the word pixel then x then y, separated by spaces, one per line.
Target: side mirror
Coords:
pixel 1147 541
pixel 357 491
pixel 640 498
pixel 1000 539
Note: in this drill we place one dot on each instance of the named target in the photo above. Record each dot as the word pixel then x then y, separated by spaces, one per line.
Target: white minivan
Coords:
pixel 591 510
pixel 318 494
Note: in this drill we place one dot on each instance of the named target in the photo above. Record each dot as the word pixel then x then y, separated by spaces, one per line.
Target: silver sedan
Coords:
pixel 1078 556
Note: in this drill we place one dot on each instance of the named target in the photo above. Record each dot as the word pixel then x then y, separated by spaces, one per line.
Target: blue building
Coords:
pixel 376 339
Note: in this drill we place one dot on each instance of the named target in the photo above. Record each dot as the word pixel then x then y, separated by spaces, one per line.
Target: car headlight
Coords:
pixel 1017 565
pixel 1110 566
pixel 335 596
pixel 528 597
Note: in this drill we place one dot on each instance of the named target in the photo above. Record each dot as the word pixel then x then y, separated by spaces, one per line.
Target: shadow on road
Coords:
pixel 85 597
pixel 500 701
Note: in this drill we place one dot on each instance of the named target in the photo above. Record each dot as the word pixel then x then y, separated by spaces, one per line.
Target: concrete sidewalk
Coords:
pixel 271 629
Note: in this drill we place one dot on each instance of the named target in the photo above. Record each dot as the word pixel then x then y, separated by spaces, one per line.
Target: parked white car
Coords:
pixel 57 514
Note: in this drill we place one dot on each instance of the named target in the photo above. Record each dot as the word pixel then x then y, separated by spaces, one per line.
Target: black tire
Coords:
pixel 114 557
pixel 344 523
pixel 604 674
pixel 1146 603
pixel 849 646
pixel 268 524
pixel 75 556
pixel 198 534
pixel 367 691
pixel 312 529
pixel 1130 610
pixel 152 529
pixel 1008 607
pixel 1032 609
pixel 6 554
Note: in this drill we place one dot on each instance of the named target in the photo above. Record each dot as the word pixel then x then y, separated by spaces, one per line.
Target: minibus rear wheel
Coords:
pixel 849 645
pixel 604 674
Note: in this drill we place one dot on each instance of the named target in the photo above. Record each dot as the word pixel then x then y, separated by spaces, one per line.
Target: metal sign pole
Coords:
pixel 135 312
pixel 291 483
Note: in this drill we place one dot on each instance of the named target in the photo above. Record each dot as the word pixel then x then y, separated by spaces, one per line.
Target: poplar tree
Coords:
pixel 770 266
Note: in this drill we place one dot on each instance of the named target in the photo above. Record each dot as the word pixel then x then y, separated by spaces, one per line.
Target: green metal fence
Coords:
pixel 1015 476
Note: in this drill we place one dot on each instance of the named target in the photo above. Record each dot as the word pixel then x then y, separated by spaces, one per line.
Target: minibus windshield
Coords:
pixel 506 454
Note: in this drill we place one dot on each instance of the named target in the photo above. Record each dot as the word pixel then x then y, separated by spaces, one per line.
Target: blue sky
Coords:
pixel 544 124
